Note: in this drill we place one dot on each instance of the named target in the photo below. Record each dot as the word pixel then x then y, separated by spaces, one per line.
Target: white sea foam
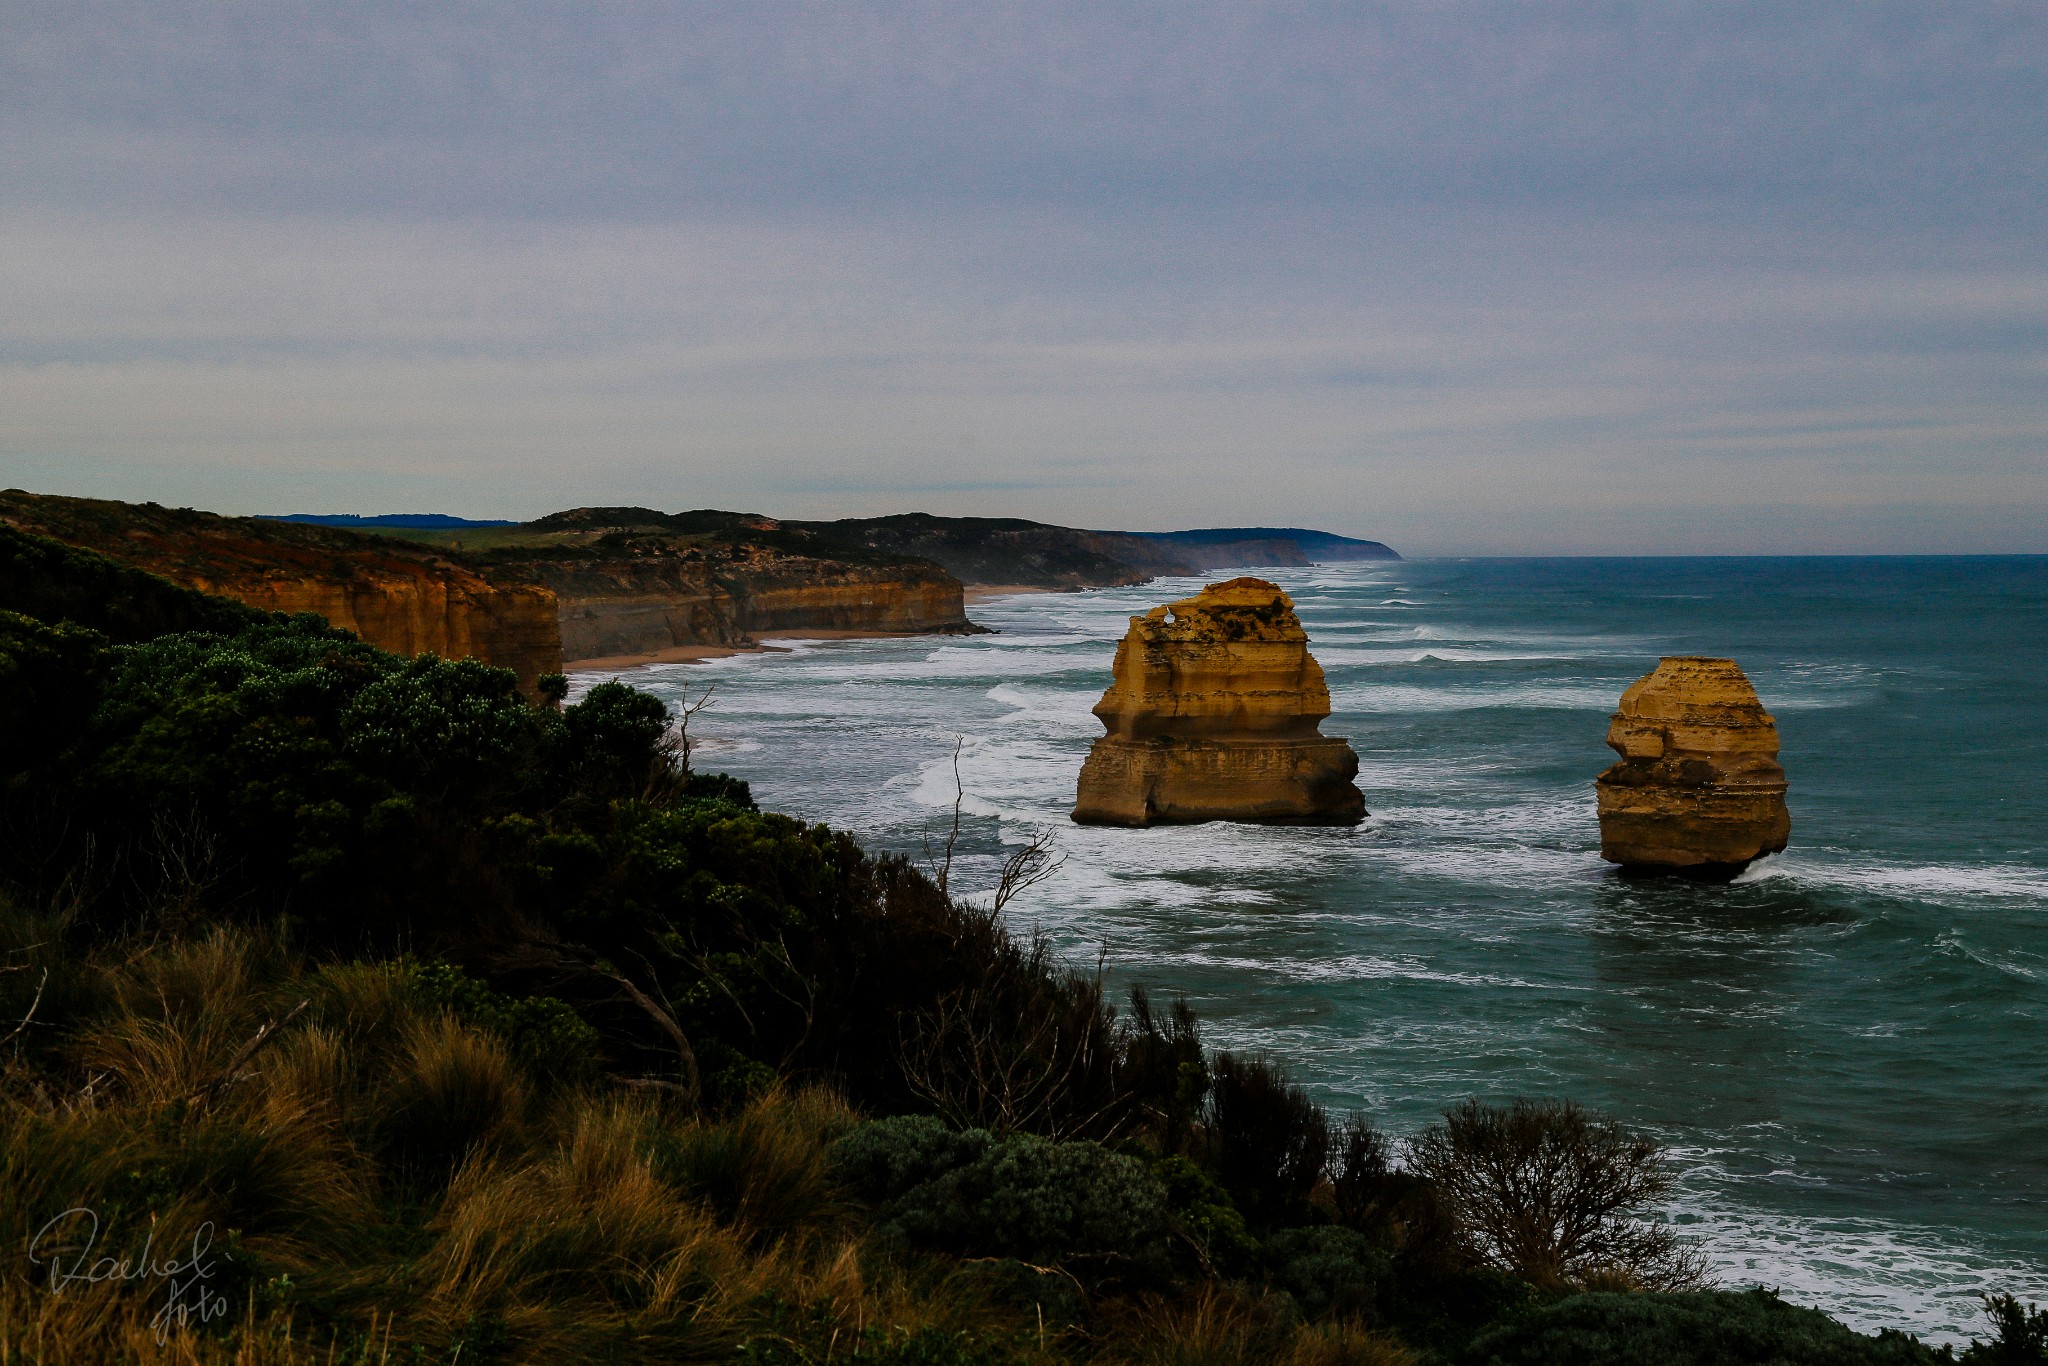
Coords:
pixel 1928 881
pixel 1402 697
pixel 1869 1273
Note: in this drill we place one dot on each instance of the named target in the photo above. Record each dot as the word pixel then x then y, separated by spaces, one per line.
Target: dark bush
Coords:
pixel 1548 1192
pixel 1267 1141
pixel 886 1160
pixel 2020 1335
pixel 50 680
pixel 1163 1072
pixel 1328 1270
pixel 1701 1328
pixel 545 1034
pixel 1204 1213
pixel 1396 1209
pixel 1026 1197
pixel 1011 1041
pixel 1441 1309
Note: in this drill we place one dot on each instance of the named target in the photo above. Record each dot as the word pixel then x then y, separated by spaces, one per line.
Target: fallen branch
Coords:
pixel 692 1080
pixel 31 1009
pixel 270 1030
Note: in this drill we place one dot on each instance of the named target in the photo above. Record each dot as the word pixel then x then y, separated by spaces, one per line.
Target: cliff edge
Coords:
pixel 1214 714
pixel 399 597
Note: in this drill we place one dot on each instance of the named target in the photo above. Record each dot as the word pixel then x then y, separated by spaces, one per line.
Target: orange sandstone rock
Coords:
pixel 1698 790
pixel 1214 716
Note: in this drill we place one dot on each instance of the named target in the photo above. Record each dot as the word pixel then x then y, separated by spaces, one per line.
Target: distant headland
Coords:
pixel 614 586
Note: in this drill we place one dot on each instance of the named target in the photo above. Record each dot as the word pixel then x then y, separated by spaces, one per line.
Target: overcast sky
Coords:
pixel 1486 278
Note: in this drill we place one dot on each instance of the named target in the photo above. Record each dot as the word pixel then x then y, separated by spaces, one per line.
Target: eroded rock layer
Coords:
pixel 653 595
pixel 1214 715
pixel 1698 790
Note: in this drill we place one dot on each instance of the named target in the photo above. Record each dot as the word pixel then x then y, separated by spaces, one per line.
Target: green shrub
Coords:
pixel 2019 1335
pixel 1699 1328
pixel 1021 1196
pixel 545 1034
pixel 1203 1211
pixel 1327 1270
pixel 885 1160
pixel 56 582
pixel 50 680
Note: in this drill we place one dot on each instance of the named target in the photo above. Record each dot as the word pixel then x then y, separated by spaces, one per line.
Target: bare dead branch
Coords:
pixel 942 870
pixel 31 1014
pixel 692 1081
pixel 231 1073
pixel 1028 867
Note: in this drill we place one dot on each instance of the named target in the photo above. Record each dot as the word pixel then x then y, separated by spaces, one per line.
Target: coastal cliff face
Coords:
pixel 636 582
pixel 662 597
pixel 1214 715
pixel 398 597
pixel 1698 791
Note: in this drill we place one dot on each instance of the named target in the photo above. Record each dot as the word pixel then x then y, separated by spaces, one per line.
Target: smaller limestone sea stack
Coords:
pixel 1698 791
pixel 1214 715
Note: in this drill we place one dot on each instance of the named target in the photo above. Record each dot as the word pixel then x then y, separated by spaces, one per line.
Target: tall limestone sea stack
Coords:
pixel 1214 716
pixel 1698 791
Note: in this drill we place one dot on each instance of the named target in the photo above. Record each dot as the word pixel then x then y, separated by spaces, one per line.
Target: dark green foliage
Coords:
pixel 1442 1309
pixel 1203 1212
pixel 1163 1070
pixel 56 582
pixel 421 804
pixel 719 787
pixel 616 733
pixel 1701 1328
pixel 2020 1335
pixel 1022 1196
pixel 884 1161
pixel 1396 1209
pixel 545 1034
pixel 50 679
pixel 1328 1270
pixel 1268 1142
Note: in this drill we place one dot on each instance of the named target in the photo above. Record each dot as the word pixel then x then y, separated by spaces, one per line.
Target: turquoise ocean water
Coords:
pixel 1847 1048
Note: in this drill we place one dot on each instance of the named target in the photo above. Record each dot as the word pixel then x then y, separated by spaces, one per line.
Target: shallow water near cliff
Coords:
pixel 1847 1047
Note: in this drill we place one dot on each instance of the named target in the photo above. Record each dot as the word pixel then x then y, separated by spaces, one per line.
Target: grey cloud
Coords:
pixel 1459 276
pixel 521 108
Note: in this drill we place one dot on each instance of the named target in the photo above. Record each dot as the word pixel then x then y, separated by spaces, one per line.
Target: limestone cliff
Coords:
pixel 399 597
pixel 658 599
pixel 634 581
pixel 1214 715
pixel 1698 790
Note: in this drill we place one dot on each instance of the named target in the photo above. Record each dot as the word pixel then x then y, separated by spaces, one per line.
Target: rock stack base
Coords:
pixel 1214 715
pixel 1698 792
